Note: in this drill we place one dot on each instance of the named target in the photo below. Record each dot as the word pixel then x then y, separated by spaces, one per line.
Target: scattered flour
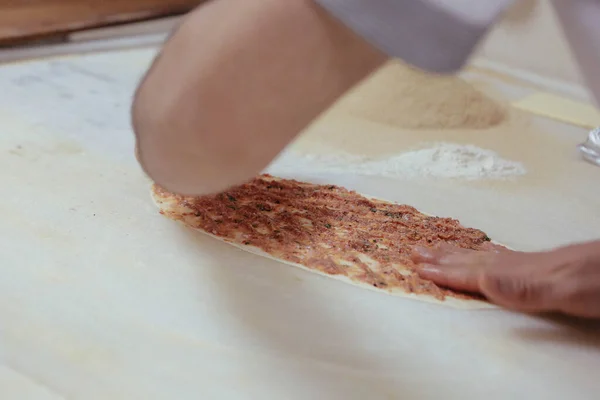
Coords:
pixel 441 160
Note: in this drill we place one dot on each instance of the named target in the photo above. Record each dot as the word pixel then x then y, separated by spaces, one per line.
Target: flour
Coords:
pixel 407 98
pixel 440 160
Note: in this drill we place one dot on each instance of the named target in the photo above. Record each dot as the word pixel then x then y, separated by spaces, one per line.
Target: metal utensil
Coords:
pixel 590 149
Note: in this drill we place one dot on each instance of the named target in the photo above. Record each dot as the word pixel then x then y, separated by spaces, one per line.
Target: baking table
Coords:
pixel 103 298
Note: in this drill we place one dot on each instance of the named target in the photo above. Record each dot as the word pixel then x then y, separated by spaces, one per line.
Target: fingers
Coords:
pixel 511 280
pixel 452 267
pixel 509 284
pixel 506 278
pixel 565 280
pixel 459 277
pixel 435 255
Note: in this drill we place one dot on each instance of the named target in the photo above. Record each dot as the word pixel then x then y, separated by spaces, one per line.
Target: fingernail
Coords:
pixel 424 253
pixel 456 259
pixel 428 270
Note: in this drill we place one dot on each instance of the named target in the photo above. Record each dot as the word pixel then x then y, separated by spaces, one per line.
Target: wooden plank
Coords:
pixel 160 25
pixel 30 19
pixel 24 53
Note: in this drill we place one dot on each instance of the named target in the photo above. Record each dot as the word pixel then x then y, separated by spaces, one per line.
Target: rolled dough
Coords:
pixel 169 205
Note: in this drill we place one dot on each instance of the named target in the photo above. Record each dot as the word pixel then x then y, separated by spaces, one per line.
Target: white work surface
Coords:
pixel 103 298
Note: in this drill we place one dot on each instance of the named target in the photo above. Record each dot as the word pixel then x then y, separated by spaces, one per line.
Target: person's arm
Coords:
pixel 235 84
pixel 434 35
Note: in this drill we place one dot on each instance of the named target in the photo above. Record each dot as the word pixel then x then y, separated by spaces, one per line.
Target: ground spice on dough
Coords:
pixel 412 99
pixel 325 228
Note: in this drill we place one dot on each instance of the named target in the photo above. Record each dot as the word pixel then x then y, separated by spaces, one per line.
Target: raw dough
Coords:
pixel 328 230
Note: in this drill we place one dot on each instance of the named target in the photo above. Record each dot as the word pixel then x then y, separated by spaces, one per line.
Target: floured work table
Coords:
pixel 101 297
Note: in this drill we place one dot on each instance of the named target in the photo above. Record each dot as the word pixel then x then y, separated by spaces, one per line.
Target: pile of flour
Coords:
pixel 440 160
pixel 405 97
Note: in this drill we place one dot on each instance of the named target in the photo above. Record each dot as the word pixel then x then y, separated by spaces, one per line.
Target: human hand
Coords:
pixel 565 280
pixel 235 83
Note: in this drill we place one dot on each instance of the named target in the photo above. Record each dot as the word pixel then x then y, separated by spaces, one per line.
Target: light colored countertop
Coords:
pixel 101 297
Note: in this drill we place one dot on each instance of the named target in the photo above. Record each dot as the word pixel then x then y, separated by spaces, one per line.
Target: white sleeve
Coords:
pixel 580 20
pixel 434 35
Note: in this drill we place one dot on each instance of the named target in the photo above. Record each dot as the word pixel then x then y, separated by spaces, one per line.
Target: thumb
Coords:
pixel 520 290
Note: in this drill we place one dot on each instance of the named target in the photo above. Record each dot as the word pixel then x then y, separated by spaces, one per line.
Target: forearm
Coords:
pixel 235 84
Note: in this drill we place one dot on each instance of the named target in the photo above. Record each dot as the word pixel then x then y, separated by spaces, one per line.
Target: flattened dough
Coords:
pixel 243 229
